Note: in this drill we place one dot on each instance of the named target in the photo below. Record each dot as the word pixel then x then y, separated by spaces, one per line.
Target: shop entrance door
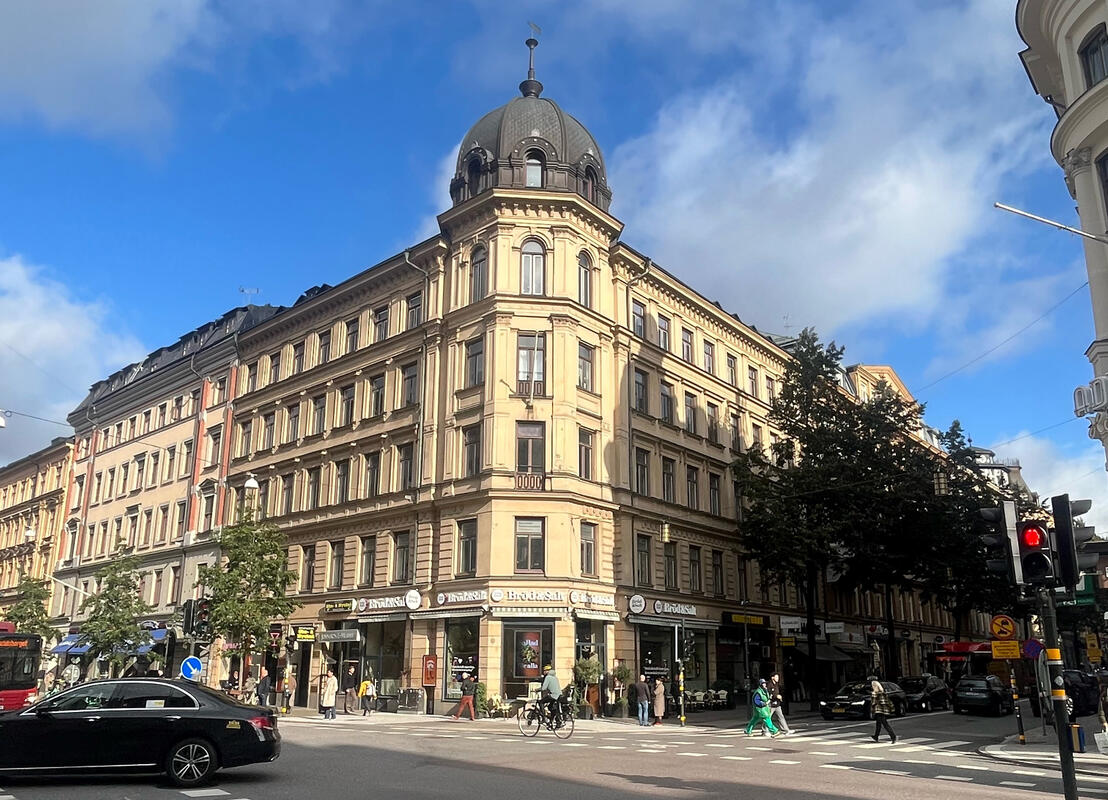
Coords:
pixel 304 676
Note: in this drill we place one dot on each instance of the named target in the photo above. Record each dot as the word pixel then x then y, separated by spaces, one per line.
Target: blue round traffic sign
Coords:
pixel 191 668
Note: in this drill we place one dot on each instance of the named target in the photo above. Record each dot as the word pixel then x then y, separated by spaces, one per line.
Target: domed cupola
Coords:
pixel 530 143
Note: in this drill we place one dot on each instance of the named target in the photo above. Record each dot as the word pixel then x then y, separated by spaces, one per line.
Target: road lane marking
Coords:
pixel 721 745
pixel 574 744
pixel 1094 778
pixel 1095 791
pixel 836 766
pixel 477 737
pixel 736 758
pixel 944 745
pixel 204 793
pixel 821 753
pixel 614 738
pixel 783 761
pixel 1028 772
pixel 611 747
pixel 869 758
pixel 693 755
pixel 972 766
pixel 754 747
pixel 953 778
pixel 870 746
pixel 918 761
pixel 891 772
pixel 650 750
pixel 1016 783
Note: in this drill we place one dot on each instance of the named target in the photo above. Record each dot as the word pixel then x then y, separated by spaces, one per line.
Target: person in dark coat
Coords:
pixel 264 687
pixel 642 697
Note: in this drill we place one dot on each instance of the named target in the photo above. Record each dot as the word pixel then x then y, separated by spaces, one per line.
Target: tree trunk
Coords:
pixel 812 668
pixel 892 660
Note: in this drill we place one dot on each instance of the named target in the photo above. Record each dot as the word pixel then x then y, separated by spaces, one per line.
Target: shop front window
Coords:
pixel 384 655
pixel 462 654
pixel 655 651
pixel 526 649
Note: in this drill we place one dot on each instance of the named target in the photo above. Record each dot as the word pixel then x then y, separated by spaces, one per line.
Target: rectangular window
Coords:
pixel 642 471
pixel 252 377
pixel 696 575
pixel 263 498
pixel 471 450
pixel 692 487
pixel 478 276
pixel 710 357
pixel 532 269
pixel 338 555
pixel 717 573
pixel 531 364
pixel 531 448
pixel 584 281
pixel 771 389
pixel 409 388
pixel 404 461
pixel 372 474
pixel 415 310
pixel 307 569
pixel 638 318
pixel 732 370
pixel 530 534
pixel 687 345
pixel 269 428
pixel 246 430
pixel 643 567
pixel 713 423
pixel 293 422
pixel 324 347
pixel 669 480
pixel 381 324
pixel 182 521
pixel 690 412
pixel 368 564
pixel 346 405
pixel 467 547
pixel 475 362
pixel 314 480
pixel 147 528
pixel 275 367
pixel 146 416
pixel 752 381
pixel 663 332
pixel 163 523
pixel 585 356
pixel 155 468
pixel 756 435
pixel 377 395
pixel 351 335
pixel 713 493
pixel 736 434
pixel 588 549
pixel 669 550
pixel 1094 57
pixel 667 403
pixel 585 439
pixel 641 382
pixel 342 480
pixel 161 414
pixel 319 413
pixel 288 484
pixel 297 358
pixel 401 557
pixel 215 439
pixel 170 463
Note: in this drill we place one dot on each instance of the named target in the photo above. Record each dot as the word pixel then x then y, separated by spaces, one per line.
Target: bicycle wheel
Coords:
pixel 529 722
pixel 563 726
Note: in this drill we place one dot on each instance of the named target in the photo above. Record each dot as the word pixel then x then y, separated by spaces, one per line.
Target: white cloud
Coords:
pixel 1049 469
pixel 438 194
pixel 53 346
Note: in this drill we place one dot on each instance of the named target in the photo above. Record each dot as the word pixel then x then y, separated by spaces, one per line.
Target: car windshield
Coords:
pixel 972 683
pixel 912 684
pixel 856 688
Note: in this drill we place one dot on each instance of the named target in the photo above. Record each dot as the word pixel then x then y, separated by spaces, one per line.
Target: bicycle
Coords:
pixel 534 716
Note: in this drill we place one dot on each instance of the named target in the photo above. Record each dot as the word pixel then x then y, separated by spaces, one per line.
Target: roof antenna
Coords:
pixel 531 87
pixel 249 291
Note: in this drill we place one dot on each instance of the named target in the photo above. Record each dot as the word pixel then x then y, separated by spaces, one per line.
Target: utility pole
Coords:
pixel 1058 691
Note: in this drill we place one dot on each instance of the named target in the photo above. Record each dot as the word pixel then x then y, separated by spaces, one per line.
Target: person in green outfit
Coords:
pixel 760 710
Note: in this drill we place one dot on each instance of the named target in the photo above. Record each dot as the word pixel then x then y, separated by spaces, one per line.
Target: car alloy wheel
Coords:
pixel 191 762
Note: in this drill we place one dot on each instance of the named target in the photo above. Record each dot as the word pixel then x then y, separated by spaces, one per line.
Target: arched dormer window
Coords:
pixel 473 177
pixel 478 274
pixel 584 279
pixel 532 267
pixel 590 185
pixel 1094 56
pixel 533 175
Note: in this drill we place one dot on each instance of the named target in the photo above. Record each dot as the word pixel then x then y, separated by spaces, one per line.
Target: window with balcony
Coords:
pixel 531 364
pixel 467 547
pixel 643 565
pixel 530 455
pixel 530 544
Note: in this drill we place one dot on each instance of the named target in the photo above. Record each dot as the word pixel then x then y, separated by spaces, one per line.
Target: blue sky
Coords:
pixel 826 164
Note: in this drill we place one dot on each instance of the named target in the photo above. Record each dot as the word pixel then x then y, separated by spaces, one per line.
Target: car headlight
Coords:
pixel 823 702
pixel 858 703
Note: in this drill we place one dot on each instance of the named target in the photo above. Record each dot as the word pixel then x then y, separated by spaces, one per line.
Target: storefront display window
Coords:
pixel 696 668
pixel 656 651
pixel 526 649
pixel 384 655
pixel 462 654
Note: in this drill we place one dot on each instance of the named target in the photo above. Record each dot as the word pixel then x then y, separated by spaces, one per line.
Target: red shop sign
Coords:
pixel 430 670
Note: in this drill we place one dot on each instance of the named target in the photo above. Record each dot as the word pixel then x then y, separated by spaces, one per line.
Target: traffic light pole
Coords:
pixel 1058 692
pixel 1016 701
pixel 681 691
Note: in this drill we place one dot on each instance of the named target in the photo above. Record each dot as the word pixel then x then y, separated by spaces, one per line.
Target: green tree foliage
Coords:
pixel 248 585
pixel 115 611
pixel 29 612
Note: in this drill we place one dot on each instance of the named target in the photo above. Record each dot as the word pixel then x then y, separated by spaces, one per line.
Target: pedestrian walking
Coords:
pixel 659 700
pixel 882 708
pixel 263 688
pixel 469 689
pixel 368 693
pixel 777 704
pixel 349 690
pixel 328 691
pixel 642 697
pixel 760 712
pixel 288 691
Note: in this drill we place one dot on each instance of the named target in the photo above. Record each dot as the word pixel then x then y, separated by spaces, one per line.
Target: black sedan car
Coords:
pixel 925 692
pixel 138 725
pixel 983 693
pixel 853 701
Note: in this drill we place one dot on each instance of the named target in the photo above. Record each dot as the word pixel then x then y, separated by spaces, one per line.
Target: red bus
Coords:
pixel 20 654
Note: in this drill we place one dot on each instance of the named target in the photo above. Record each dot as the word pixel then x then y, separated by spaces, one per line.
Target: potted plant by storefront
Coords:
pixel 586 673
pixel 480 699
pixel 622 675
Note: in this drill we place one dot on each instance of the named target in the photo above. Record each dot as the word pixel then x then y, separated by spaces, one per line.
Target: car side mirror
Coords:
pixel 44 710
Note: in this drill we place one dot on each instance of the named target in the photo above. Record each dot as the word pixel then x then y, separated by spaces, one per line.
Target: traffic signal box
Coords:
pixel 1036 558
pixel 1001 543
pixel 202 618
pixel 1072 561
pixel 188 616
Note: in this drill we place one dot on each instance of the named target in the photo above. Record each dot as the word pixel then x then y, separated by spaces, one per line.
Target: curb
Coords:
pixel 1049 763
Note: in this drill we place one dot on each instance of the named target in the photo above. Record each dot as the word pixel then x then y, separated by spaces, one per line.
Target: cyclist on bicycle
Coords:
pixel 550 692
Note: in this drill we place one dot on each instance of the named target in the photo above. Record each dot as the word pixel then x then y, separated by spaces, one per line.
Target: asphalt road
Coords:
pixel 348 758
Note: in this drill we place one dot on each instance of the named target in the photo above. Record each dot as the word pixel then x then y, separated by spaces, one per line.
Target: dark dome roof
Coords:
pixel 495 150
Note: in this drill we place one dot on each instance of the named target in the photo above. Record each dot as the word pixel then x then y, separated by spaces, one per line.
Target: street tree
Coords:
pixel 29 612
pixel 113 627
pixel 248 585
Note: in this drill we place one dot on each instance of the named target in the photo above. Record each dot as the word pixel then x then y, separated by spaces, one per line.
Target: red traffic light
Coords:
pixel 1033 536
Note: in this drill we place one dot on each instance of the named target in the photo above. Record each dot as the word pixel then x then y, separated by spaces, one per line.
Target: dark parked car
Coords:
pixel 925 692
pixel 1082 692
pixel 853 700
pixel 138 725
pixel 983 693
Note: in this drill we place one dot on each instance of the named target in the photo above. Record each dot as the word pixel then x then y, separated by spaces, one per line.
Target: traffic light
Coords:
pixel 290 643
pixel 1035 555
pixel 1001 542
pixel 1070 538
pixel 188 616
pixel 688 648
pixel 202 618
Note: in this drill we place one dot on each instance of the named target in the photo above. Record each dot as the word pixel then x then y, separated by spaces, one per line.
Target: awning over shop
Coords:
pixel 824 652
pixel 588 613
pixel 450 613
pixel 967 647
pixel 531 611
pixel 394 616
pixel 69 641
pixel 853 647
pixel 673 622
pixel 157 636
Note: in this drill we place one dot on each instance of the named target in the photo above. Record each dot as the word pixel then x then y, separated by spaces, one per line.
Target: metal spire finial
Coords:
pixel 531 87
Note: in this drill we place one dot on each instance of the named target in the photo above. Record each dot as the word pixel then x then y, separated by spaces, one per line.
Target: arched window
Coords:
pixel 1094 57
pixel 532 267
pixel 590 185
pixel 473 177
pixel 478 274
pixel 534 168
pixel 584 279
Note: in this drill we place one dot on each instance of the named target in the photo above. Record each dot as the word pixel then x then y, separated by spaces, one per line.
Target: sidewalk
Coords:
pixel 1041 749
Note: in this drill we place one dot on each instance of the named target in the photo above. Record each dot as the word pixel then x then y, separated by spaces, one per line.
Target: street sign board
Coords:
pixel 191 668
pixel 788 641
pixel 1032 648
pixel 1003 627
pixel 1006 649
pixel 430 670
